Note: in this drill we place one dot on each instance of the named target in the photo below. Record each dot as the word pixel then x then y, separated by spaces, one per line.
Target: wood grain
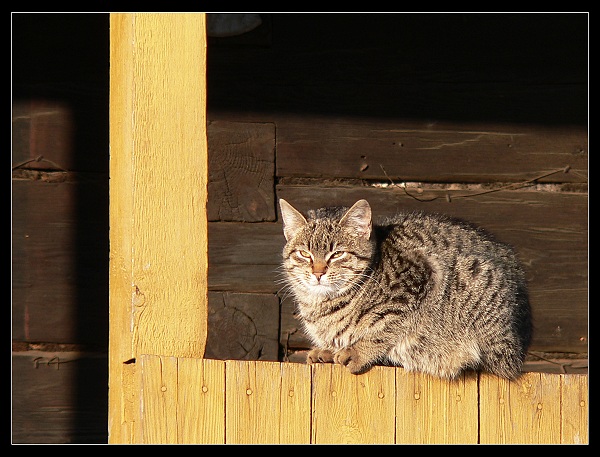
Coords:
pixel 201 394
pixel 59 261
pixel 527 410
pixel 350 409
pixel 431 410
pixel 158 179
pixel 50 403
pixel 241 171
pixel 433 152
pixel 262 400
pixel 575 409
pixel 188 400
pixel 242 326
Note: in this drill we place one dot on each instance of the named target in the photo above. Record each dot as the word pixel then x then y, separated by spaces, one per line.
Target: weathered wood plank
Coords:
pixel 575 409
pixel 435 411
pixel 241 171
pixel 60 266
pixel 249 418
pixel 244 257
pixel 350 409
pixel 438 152
pixel 181 400
pixel 61 129
pixel 242 326
pixel 527 410
pixel 59 397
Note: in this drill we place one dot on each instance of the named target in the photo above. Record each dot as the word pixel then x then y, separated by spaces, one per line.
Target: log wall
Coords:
pixel 412 108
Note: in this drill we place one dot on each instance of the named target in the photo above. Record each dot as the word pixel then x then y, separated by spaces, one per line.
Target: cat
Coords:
pixel 423 291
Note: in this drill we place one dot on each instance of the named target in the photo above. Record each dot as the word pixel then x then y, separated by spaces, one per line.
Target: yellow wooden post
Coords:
pixel 158 192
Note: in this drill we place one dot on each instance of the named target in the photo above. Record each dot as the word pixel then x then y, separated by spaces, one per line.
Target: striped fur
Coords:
pixel 417 290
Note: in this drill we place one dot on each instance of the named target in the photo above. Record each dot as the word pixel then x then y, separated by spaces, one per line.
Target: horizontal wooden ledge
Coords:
pixel 429 151
pixel 213 401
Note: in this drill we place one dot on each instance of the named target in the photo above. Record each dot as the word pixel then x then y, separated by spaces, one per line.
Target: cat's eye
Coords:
pixel 337 255
pixel 304 254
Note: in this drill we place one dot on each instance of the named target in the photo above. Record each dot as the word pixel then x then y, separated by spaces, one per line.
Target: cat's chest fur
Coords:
pixel 387 291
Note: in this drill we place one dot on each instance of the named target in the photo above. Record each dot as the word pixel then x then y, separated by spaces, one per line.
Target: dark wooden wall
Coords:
pixel 317 109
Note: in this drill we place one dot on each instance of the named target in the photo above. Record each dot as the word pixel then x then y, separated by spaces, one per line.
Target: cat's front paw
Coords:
pixel 319 356
pixel 351 359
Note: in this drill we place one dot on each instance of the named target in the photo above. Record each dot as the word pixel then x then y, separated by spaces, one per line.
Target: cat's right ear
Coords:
pixel 292 219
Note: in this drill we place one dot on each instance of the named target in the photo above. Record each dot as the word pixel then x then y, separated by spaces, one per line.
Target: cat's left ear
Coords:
pixel 358 218
pixel 292 219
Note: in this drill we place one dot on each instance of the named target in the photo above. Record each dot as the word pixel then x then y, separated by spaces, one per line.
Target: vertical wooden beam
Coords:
pixel 158 182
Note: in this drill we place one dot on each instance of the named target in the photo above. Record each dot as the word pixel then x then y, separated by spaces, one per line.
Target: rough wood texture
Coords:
pixel 60 266
pixel 51 405
pixel 158 177
pixel 241 171
pixel 244 257
pixel 282 403
pixel 51 132
pixel 242 326
pixel 575 400
pixel 433 152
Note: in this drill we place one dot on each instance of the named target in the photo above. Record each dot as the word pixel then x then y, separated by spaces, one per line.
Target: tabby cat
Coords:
pixel 421 291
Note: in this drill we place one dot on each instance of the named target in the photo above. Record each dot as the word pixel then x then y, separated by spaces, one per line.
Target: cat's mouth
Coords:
pixel 321 287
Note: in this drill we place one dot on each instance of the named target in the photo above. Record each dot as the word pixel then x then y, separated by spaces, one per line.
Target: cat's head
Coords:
pixel 328 252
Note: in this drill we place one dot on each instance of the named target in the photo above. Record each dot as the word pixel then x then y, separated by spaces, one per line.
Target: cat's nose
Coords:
pixel 319 269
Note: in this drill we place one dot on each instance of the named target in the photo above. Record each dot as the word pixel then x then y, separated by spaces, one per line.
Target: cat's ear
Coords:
pixel 358 219
pixel 292 219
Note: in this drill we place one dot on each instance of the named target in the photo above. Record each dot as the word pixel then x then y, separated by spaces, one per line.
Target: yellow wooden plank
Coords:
pixel 295 404
pixel 267 403
pixel 436 411
pixel 575 409
pixel 201 401
pixel 158 400
pixel 353 409
pixel 527 410
pixel 253 392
